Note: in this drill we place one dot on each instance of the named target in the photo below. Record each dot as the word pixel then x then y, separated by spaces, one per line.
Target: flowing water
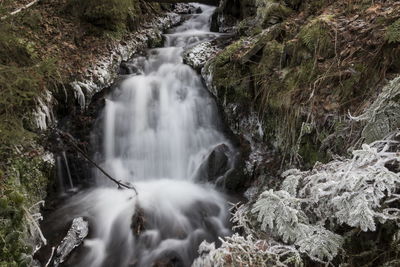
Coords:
pixel 159 125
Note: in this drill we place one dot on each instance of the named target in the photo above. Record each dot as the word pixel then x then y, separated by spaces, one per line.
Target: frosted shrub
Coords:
pixel 357 192
pixel 383 115
pixel 354 191
pixel 246 252
pixel 281 213
pixel 241 220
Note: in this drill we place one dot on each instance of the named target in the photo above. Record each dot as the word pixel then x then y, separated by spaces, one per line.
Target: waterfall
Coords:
pixel 159 124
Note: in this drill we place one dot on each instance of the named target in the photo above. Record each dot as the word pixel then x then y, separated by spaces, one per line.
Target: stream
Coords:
pixel 159 127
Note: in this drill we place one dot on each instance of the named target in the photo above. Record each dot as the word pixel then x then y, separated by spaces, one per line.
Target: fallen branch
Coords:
pixel 19 9
pixel 72 142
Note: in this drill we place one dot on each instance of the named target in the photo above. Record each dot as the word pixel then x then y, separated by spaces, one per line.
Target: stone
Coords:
pixel 132 67
pixel 198 55
pixel 215 165
pixel 76 234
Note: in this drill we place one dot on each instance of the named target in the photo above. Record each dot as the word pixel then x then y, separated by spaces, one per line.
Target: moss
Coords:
pixel 114 15
pixel 270 12
pixel 310 153
pixel 228 74
pixel 272 56
pixel 294 53
pixel 301 76
pixel 21 86
pixel 393 32
pixel 22 185
pixel 13 49
pixel 227 54
pixel 271 90
pixel 248 27
pixel 316 38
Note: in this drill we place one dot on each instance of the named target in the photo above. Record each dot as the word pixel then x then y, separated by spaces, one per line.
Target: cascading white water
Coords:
pixel 159 126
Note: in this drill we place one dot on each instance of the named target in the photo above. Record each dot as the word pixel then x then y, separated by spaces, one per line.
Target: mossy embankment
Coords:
pixel 303 69
pixel 303 66
pixel 42 49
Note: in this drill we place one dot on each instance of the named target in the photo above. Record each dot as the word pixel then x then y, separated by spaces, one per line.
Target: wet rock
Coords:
pixel 138 221
pixel 170 259
pixel 218 161
pixel 197 56
pixel 229 12
pixel 127 68
pixel 215 165
pixel 78 231
pixel 132 67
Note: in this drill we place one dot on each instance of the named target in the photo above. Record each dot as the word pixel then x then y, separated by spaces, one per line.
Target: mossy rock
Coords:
pixel 271 56
pixel 228 75
pixel 294 53
pixel 114 15
pixel 248 27
pixel 227 54
pixel 270 12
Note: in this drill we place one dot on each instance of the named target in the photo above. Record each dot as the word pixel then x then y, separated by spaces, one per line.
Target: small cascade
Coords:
pixel 71 184
pixel 64 177
pixel 60 175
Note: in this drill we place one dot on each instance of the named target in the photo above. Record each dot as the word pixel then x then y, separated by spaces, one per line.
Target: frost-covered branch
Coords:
pixel 280 214
pixel 357 192
pixel 247 252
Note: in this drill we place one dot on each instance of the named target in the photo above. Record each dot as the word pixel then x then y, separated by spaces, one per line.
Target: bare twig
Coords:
pixel 19 9
pixel 51 257
pixel 72 142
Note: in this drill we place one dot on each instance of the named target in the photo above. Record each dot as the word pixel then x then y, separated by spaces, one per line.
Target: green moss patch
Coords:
pixel 22 184
pixel 393 32
pixel 316 37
